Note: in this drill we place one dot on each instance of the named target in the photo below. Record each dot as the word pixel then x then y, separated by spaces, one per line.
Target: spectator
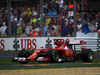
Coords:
pixel 53 32
pixel 33 20
pixel 64 29
pixel 45 30
pixel 28 28
pixel 0 22
pixel 70 30
pixel 21 20
pixel 92 26
pixel 19 30
pixel 49 12
pixel 19 12
pixel 61 3
pixel 22 23
pixel 49 31
pixel 54 12
pixel 23 31
pixel 57 7
pixel 28 12
pixel 47 21
pixel 51 4
pixel 64 6
pixel 37 29
pixel 15 18
pixel 33 33
pixel 33 25
pixel 79 27
pixel 58 29
pixel 59 19
pixel 14 29
pixel 45 6
pixel 3 29
pixel 26 18
pixel 34 13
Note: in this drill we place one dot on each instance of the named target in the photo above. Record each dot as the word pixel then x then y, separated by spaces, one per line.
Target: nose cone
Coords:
pixel 33 57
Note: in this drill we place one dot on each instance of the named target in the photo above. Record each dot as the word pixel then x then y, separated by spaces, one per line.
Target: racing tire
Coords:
pixel 53 54
pixel 87 55
pixel 23 53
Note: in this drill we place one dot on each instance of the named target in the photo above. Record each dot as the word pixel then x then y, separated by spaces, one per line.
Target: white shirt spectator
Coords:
pixel 64 6
pixel 45 5
pixel 79 27
pixel 34 12
pixel 15 19
pixel 3 29
pixel 21 19
pixel 28 29
pixel 37 30
pixel 92 26
pixel 61 3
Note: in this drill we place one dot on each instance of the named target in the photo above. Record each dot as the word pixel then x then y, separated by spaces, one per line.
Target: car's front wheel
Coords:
pixel 53 54
pixel 23 53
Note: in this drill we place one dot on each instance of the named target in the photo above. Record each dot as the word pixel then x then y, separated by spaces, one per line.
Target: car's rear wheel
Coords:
pixel 53 54
pixel 23 53
pixel 87 55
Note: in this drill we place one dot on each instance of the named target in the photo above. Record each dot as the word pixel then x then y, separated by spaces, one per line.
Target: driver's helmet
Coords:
pixel 67 41
pixel 57 42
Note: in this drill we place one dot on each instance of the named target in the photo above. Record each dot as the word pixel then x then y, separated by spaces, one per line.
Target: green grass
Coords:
pixel 7 61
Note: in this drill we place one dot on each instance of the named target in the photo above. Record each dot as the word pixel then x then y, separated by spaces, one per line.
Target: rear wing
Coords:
pixel 77 43
pixel 81 43
pixel 74 42
pixel 70 43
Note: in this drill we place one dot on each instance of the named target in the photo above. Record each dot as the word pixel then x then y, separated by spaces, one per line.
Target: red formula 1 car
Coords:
pixel 60 52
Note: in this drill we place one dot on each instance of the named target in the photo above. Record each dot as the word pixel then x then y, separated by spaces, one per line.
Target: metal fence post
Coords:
pixel 75 22
pixel 42 18
pixel 9 17
pixel 82 13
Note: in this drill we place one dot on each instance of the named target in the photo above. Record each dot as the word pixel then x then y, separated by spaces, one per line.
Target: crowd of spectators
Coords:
pixel 25 21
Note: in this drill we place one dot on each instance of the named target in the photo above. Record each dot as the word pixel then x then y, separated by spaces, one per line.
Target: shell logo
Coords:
pixel 67 53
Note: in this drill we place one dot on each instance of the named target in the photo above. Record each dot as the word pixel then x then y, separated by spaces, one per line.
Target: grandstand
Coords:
pixel 25 19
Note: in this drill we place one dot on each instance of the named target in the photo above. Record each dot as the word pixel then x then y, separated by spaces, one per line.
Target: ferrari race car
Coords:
pixel 60 52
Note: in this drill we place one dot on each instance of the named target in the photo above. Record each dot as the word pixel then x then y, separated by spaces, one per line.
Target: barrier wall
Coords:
pixel 29 43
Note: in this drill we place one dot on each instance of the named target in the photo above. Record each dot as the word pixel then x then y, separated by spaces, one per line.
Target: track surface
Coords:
pixel 10 55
